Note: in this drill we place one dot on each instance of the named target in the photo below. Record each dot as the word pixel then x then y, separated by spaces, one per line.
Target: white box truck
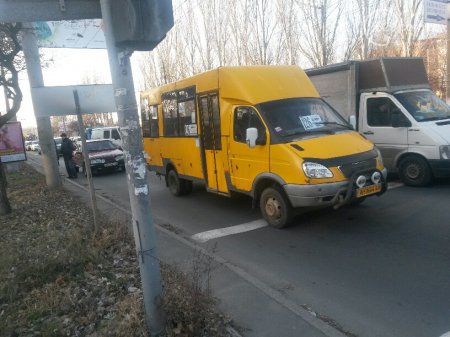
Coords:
pixel 389 101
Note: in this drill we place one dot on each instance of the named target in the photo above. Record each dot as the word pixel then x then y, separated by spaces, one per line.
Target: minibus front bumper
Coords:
pixel 328 194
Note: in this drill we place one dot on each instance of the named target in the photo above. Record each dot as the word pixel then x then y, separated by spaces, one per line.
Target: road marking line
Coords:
pixel 391 185
pixel 220 232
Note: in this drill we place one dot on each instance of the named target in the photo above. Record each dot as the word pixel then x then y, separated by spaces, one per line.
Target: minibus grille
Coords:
pixel 349 169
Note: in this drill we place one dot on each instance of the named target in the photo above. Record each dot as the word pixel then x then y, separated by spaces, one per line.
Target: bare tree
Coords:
pixel 289 32
pixel 9 79
pixel 321 22
pixel 264 28
pixel 410 24
pixel 364 24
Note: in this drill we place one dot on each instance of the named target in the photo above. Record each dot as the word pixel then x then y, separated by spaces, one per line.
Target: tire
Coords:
pixel 414 171
pixel 275 207
pixel 174 183
pixel 186 186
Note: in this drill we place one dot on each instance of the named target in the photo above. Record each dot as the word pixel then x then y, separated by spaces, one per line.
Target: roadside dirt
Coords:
pixel 58 279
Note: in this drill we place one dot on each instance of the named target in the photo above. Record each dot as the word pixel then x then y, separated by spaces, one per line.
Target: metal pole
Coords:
pixel 448 62
pixel 136 169
pixel 44 128
pixel 87 161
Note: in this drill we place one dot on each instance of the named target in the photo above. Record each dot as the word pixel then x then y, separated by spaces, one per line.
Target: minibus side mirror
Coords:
pixel 251 135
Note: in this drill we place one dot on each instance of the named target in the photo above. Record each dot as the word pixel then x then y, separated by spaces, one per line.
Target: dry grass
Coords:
pixel 56 279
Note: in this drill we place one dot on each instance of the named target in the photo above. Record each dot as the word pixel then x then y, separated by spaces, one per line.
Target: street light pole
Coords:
pixel 136 169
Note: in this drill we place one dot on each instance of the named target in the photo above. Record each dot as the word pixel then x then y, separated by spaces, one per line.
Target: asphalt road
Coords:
pixel 381 269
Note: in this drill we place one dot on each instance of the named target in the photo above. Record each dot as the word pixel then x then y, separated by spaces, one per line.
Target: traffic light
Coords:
pixel 141 24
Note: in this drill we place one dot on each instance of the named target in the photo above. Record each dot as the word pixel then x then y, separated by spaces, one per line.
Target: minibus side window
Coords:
pixel 149 117
pixel 169 105
pixel 244 118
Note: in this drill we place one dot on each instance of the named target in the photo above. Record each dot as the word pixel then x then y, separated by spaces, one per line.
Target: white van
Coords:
pixel 107 132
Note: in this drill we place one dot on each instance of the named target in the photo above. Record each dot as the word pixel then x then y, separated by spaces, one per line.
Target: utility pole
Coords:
pixel 45 134
pixel 136 169
pixel 448 59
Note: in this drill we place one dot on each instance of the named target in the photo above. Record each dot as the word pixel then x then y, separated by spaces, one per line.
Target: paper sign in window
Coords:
pixel 311 122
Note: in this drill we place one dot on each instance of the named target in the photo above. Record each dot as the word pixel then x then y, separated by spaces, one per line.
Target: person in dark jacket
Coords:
pixel 67 149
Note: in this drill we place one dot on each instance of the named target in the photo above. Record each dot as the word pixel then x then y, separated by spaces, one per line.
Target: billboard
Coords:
pixel 71 34
pixel 12 146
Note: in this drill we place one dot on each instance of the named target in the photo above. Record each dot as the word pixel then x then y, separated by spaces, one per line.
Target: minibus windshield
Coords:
pixel 424 105
pixel 302 117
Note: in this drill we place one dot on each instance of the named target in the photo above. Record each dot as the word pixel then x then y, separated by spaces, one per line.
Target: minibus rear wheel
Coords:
pixel 275 207
pixel 177 185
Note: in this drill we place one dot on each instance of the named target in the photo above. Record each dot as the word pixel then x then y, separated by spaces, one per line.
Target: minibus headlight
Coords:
pixel 314 170
pixel 444 151
pixel 119 157
pixel 379 157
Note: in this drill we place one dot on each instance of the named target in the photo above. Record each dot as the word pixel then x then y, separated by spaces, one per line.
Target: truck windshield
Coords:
pixel 302 117
pixel 424 105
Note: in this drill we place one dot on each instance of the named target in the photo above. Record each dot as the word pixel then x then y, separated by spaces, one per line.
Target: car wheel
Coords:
pixel 414 171
pixel 275 207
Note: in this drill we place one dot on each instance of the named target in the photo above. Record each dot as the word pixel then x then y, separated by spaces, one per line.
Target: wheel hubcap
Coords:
pixel 273 208
pixel 413 171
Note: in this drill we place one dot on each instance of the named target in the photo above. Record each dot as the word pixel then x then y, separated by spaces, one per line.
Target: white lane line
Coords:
pixel 392 185
pixel 220 232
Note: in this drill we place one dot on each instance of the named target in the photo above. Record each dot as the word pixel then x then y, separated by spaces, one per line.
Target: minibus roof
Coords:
pixel 250 84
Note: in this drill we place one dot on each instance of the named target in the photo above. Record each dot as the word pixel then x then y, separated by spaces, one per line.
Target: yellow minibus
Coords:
pixel 259 130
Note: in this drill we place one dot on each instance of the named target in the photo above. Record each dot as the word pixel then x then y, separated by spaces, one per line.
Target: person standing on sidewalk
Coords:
pixel 67 149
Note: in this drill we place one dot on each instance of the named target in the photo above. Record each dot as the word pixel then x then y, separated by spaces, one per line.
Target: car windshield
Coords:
pixel 102 145
pixel 302 117
pixel 424 105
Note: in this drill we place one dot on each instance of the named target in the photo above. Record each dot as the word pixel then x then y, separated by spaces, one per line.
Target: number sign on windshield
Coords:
pixel 311 122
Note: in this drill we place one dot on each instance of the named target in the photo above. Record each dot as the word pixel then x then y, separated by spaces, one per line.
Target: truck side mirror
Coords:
pixel 352 121
pixel 400 121
pixel 251 135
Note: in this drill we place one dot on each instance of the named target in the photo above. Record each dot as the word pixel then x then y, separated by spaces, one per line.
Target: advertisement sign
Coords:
pixel 71 34
pixel 435 11
pixel 12 146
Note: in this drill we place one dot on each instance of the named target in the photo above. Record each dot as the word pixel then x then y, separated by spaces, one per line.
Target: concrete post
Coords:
pixel 136 170
pixel 44 128
pixel 447 84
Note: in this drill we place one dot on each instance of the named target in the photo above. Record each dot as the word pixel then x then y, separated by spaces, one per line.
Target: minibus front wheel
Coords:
pixel 275 207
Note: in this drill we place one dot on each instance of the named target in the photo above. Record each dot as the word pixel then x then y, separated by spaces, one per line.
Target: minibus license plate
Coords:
pixel 368 190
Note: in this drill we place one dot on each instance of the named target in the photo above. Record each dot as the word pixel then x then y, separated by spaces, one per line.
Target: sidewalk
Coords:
pixel 256 309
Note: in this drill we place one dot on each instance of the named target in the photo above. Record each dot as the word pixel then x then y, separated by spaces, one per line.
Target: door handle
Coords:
pixel 368 133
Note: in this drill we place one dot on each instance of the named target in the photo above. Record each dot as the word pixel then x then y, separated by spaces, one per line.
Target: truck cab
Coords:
pixel 412 130
pixel 389 101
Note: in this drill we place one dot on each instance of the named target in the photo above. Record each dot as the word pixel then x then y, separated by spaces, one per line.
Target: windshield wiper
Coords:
pixel 339 124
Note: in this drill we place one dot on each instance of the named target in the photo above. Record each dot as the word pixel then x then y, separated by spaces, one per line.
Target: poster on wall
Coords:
pixel 12 147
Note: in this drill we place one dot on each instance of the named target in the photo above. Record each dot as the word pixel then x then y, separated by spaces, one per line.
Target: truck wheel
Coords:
pixel 275 207
pixel 174 183
pixel 414 171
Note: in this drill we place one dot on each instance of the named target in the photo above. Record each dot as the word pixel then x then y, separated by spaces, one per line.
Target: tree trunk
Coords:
pixel 5 207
